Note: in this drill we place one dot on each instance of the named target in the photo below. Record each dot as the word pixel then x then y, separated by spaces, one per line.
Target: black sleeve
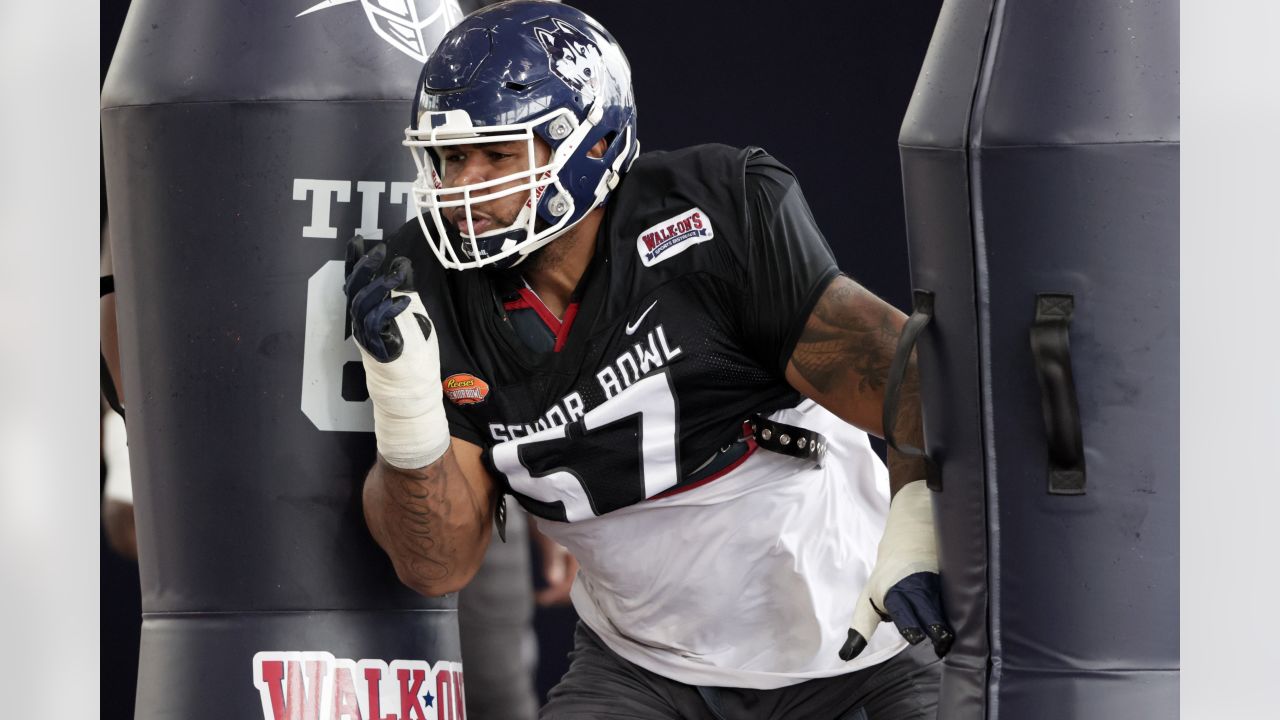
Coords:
pixel 461 427
pixel 786 261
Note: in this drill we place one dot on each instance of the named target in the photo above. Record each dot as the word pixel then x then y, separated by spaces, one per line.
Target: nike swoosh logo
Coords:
pixel 631 327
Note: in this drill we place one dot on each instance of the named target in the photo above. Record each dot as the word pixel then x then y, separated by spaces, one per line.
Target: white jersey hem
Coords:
pixel 669 666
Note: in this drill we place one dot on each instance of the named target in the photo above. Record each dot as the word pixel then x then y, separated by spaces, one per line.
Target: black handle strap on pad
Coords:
pixel 922 301
pixel 106 286
pixel 109 387
pixel 1051 346
pixel 787 439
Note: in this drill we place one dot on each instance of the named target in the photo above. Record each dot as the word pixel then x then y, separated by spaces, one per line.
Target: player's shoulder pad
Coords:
pixel 673 202
pixel 759 161
pixel 711 162
pixel 718 172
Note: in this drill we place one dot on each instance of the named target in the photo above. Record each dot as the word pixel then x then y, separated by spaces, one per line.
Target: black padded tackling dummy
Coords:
pixel 244 144
pixel 1040 170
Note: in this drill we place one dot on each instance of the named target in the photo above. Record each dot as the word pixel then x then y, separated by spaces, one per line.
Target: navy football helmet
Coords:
pixel 512 72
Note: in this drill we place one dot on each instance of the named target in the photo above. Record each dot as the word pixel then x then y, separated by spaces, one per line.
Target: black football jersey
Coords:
pixel 707 265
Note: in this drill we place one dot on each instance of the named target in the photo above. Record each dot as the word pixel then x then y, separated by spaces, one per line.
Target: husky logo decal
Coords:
pixel 573 57
pixel 414 27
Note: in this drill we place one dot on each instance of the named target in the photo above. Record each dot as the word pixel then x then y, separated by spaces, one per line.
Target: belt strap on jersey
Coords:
pixel 500 516
pixel 788 439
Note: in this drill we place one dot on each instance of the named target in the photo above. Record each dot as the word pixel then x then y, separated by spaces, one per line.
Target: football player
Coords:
pixel 657 357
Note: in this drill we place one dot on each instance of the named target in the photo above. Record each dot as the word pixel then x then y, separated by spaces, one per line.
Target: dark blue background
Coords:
pixel 821 86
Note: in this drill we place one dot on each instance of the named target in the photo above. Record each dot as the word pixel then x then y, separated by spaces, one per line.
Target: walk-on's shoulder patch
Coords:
pixel 673 236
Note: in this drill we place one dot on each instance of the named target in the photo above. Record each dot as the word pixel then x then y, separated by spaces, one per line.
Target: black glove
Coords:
pixel 370 308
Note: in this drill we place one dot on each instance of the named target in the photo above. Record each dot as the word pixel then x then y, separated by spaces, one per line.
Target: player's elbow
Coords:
pixel 431 588
pixel 432 584
pixel 426 575
pixel 436 574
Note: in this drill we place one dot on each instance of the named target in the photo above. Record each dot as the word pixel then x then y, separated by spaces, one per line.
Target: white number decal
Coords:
pixel 631 439
pixel 325 352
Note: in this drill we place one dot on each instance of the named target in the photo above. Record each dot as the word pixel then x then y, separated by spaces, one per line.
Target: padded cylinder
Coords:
pixel 244 144
pixel 1040 171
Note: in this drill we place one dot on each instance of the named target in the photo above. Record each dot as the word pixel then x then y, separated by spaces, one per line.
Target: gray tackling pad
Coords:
pixel 244 144
pixel 1040 170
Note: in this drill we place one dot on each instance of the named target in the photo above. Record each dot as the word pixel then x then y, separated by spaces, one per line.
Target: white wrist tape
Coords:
pixel 908 546
pixel 408 400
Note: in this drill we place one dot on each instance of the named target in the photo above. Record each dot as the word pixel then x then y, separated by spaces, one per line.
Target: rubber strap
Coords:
pixel 920 317
pixel 787 439
pixel 1051 346
pixel 106 286
pixel 109 387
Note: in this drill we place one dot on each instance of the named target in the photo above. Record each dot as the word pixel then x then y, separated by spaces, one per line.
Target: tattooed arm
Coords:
pixel 842 360
pixel 433 521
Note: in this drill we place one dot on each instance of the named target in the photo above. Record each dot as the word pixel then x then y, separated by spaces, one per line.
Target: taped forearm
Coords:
pixel 408 418
pixel 408 401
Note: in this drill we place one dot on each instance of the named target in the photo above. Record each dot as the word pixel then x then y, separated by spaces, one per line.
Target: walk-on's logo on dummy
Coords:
pixel 673 236
pixel 413 27
pixel 465 389
pixel 572 57
pixel 318 686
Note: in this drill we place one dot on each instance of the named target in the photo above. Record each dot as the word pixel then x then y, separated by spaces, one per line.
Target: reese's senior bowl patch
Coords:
pixel 673 236
pixel 465 389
